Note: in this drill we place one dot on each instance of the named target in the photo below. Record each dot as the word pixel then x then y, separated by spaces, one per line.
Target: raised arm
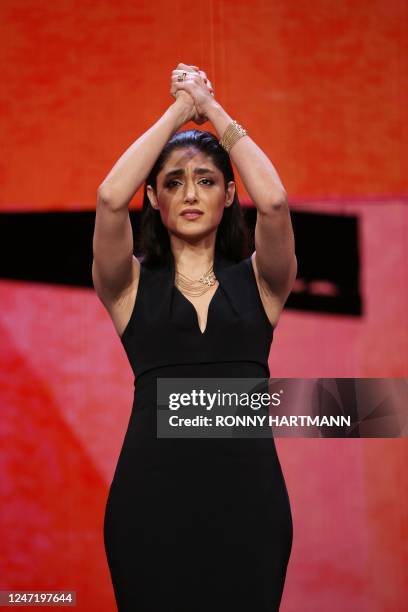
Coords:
pixel 274 257
pixel 115 268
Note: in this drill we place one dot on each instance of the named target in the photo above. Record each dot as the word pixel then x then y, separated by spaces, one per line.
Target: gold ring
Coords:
pixel 182 77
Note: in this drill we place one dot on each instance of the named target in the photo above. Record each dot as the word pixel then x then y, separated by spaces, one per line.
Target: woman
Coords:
pixel 201 523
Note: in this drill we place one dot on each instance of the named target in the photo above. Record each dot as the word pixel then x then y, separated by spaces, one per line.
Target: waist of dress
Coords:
pixel 142 431
pixel 220 369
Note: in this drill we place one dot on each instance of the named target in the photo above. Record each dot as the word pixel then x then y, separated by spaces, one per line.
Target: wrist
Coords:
pixel 218 117
pixel 212 109
pixel 180 113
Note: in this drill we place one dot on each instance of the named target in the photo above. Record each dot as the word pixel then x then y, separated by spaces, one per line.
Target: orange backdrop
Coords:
pixel 322 87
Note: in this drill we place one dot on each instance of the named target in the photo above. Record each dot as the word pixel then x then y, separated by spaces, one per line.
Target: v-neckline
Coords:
pixel 203 333
pixel 219 263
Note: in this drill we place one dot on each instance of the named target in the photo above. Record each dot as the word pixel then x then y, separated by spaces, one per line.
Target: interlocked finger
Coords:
pixel 177 74
pixel 207 81
pixel 210 87
pixel 189 76
pixel 186 66
pixel 185 72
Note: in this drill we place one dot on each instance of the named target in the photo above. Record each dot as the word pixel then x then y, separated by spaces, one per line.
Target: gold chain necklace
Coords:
pixel 195 287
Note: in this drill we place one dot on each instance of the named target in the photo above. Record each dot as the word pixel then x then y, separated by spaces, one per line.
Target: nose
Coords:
pixel 190 192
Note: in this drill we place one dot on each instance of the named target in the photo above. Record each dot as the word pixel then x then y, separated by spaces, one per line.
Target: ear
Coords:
pixel 230 193
pixel 152 197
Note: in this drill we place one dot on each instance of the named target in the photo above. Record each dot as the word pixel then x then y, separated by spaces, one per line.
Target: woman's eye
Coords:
pixel 170 184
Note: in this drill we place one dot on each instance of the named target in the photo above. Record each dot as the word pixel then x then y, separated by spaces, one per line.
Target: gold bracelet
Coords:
pixel 233 133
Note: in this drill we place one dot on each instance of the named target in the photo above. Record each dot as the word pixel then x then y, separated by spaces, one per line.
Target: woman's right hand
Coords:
pixel 186 100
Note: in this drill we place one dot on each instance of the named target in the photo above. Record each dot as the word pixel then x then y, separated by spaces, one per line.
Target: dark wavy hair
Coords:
pixel 232 238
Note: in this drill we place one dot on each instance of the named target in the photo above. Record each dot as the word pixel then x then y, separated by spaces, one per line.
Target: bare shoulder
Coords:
pixel 120 308
pixel 272 303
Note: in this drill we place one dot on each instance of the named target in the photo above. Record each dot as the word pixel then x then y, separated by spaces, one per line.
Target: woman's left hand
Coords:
pixel 197 85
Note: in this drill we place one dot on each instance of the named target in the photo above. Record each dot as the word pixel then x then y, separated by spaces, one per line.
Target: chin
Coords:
pixel 193 231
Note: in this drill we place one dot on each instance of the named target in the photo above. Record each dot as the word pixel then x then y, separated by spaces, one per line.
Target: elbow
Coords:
pixel 277 204
pixel 108 197
pixel 105 194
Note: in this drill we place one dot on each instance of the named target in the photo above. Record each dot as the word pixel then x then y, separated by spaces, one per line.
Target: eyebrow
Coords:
pixel 180 171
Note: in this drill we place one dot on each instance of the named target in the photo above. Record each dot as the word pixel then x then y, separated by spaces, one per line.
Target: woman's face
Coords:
pixel 189 179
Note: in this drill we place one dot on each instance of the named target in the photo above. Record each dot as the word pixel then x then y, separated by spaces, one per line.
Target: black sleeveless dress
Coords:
pixel 199 524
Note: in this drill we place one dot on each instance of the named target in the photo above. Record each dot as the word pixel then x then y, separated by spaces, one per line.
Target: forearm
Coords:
pixel 134 166
pixel 258 174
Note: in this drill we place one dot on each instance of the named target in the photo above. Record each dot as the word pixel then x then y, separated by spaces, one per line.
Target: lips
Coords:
pixel 191 211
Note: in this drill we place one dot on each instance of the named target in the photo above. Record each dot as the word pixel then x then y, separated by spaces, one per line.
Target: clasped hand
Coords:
pixel 195 91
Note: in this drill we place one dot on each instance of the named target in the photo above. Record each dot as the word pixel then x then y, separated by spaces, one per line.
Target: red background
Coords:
pixel 321 87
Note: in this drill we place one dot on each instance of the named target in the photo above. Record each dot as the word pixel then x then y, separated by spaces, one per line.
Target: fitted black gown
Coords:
pixel 199 524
